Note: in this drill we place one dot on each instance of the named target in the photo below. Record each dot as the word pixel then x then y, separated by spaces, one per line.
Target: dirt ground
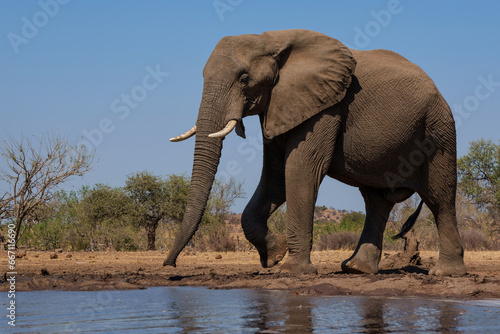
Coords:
pixel 36 270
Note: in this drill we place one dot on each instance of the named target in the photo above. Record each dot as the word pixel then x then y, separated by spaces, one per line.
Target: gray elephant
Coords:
pixel 370 119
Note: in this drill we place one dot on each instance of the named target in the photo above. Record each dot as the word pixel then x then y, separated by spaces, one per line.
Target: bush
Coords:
pixel 324 228
pixel 494 245
pixel 345 240
pixel 214 237
pixel 426 233
pixel 352 221
pixel 391 244
pixel 46 235
pixel 342 235
pixel 474 240
pixel 53 233
pixel 215 243
pixel 277 221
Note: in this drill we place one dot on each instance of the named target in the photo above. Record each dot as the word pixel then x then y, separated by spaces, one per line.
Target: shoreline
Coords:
pixel 97 271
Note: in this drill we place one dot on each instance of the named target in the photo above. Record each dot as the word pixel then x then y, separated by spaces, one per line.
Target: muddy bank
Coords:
pixel 138 270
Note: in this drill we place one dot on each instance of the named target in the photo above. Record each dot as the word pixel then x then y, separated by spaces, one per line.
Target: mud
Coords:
pixel 138 270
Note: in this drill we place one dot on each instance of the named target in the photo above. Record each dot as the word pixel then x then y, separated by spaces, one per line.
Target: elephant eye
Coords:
pixel 244 79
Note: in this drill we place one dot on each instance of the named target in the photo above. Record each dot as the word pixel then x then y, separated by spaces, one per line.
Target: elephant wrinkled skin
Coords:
pixel 371 119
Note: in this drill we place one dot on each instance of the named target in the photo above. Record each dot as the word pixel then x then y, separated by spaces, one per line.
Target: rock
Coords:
pixel 218 257
pixel 45 272
pixel 21 254
pixel 69 256
pixel 480 279
pixel 53 256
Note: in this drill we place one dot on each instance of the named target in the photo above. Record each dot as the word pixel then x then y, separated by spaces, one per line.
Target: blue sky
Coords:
pixel 70 65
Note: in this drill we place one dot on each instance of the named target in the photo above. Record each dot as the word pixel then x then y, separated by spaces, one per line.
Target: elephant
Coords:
pixel 370 119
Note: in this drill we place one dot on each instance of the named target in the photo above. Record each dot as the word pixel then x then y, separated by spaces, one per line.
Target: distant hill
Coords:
pixel 321 214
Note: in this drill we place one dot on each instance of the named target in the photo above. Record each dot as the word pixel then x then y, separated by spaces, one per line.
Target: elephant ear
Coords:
pixel 315 71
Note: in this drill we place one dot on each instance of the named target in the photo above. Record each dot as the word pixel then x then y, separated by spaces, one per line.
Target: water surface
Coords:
pixel 202 310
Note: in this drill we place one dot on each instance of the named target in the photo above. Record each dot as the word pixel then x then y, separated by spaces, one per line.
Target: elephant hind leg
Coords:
pixel 439 194
pixel 366 257
pixel 451 254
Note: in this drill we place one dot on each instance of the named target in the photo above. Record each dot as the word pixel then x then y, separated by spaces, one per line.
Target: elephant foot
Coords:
pixel 276 249
pixel 449 268
pixel 364 261
pixel 298 267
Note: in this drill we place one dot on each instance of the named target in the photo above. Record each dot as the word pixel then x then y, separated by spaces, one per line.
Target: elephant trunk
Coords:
pixel 206 159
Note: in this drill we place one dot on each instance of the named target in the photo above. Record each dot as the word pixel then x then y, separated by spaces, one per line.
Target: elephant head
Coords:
pixel 285 77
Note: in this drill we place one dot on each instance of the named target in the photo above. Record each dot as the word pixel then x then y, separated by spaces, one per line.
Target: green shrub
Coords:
pixel 352 221
pixel 322 228
pixel 277 221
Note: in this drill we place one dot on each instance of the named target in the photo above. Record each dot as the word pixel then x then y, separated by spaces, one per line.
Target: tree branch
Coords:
pixel 35 169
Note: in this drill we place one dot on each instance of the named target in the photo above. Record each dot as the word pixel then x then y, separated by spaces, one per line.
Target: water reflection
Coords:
pixel 276 310
pixel 201 310
pixel 372 314
pixel 448 318
pixel 381 315
pixel 279 311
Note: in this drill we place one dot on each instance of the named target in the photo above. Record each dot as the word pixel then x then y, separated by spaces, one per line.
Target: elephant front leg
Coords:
pixel 367 255
pixel 305 168
pixel 270 194
pixel 271 247
pixel 301 193
pixel 309 154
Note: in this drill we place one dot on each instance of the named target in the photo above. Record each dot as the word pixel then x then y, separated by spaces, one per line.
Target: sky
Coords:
pixel 127 75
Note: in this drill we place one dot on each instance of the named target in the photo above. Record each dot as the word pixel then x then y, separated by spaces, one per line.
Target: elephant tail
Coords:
pixel 409 222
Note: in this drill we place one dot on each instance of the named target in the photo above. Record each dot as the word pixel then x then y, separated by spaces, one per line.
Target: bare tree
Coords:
pixel 32 171
pixel 4 205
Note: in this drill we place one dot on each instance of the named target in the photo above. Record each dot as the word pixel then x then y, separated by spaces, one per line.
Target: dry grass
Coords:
pixel 339 240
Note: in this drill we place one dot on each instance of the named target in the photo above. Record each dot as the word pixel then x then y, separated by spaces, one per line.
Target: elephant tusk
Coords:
pixel 224 132
pixel 185 135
